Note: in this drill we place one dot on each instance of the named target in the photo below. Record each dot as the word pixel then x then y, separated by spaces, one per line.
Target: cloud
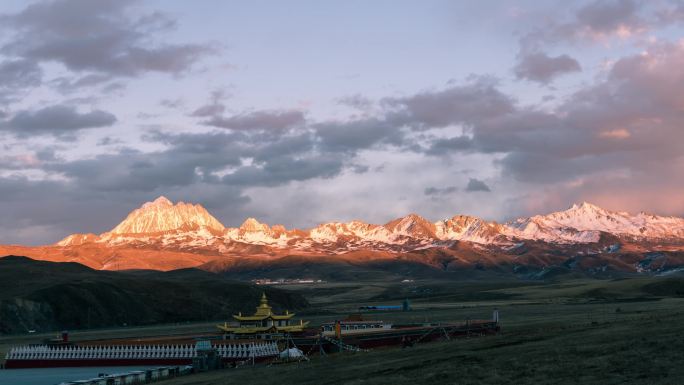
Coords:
pixel 17 75
pixel 263 119
pixel 434 191
pixel 104 37
pixel 671 15
pixel 475 185
pixel 601 18
pixel 172 103
pixel 541 68
pixel 239 159
pixel 457 104
pixel 215 108
pixel 595 21
pixel 57 120
pixel 69 84
pixel 354 135
pixel 445 146
pixel 356 101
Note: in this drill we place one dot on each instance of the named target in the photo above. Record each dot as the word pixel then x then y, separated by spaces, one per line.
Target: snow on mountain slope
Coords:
pixel 186 226
pixel 354 230
pixel 468 228
pixel 162 215
pixel 411 226
pixel 583 223
pixel 78 239
pixel 253 231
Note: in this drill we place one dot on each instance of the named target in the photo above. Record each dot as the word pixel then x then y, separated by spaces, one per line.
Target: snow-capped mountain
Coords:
pixel 156 221
pixel 162 235
pixel 584 223
pixel 472 229
pixel 162 215
pixel 190 226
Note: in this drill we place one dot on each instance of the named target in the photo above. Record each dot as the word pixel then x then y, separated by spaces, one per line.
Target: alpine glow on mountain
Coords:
pixel 162 235
pixel 162 220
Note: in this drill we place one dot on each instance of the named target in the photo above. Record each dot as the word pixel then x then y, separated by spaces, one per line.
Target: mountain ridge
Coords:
pixel 580 223
pixel 584 237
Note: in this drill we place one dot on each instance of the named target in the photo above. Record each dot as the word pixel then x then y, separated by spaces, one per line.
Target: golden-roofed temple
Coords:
pixel 263 321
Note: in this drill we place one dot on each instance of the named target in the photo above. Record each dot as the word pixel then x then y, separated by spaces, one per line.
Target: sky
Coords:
pixel 304 112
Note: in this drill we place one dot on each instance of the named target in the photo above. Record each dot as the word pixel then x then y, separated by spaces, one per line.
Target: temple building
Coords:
pixel 262 322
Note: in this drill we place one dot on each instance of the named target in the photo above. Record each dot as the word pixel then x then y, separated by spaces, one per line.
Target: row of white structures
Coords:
pixel 45 352
pixel 134 377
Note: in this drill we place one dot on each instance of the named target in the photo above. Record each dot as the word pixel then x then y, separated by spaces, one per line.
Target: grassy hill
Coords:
pixel 39 295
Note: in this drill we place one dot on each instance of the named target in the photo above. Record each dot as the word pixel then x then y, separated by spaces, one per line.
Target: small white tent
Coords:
pixel 292 354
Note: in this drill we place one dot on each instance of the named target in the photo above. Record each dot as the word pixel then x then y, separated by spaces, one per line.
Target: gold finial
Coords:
pixel 264 300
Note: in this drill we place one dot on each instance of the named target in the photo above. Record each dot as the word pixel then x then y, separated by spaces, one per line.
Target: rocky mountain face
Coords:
pixel 161 215
pixel 163 222
pixel 188 235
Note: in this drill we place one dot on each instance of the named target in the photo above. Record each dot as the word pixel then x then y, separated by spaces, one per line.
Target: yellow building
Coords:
pixel 263 321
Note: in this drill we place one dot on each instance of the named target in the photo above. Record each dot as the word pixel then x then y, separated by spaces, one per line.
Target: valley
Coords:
pixel 565 331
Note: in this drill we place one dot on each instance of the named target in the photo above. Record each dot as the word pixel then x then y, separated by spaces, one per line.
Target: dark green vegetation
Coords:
pixel 42 296
pixel 581 331
pixel 560 331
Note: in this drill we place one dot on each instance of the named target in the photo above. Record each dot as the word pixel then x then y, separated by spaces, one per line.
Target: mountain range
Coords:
pixel 161 235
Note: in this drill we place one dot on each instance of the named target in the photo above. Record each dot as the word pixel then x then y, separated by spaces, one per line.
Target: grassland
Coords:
pixel 582 331
pixel 589 332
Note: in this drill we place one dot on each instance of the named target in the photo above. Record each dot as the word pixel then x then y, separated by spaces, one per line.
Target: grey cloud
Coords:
pixel 56 120
pixel 129 171
pixel 674 14
pixel 359 168
pixel 622 123
pixel 98 36
pixel 475 185
pixel 608 16
pixel 618 124
pixel 17 75
pixel 263 119
pixel 286 170
pixel 461 104
pixel 356 135
pixel 444 146
pixel 108 141
pixel 68 84
pixel 434 191
pixel 214 109
pixel 237 159
pixel 595 20
pixel 541 68
pixel 357 101
pixel 172 103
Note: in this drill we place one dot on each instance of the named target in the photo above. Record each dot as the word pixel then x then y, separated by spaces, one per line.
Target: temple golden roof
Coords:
pixel 263 321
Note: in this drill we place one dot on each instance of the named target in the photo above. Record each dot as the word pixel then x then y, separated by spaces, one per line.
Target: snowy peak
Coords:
pixel 162 201
pixel 161 223
pixel 161 215
pixel 412 225
pixel 251 225
pixel 584 222
pixel 354 230
pixel 469 228
pixel 78 239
